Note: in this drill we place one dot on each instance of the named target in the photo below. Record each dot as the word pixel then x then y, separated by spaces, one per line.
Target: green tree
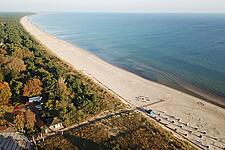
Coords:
pixel 63 92
pixel 16 88
pixel 1 76
pixel 4 109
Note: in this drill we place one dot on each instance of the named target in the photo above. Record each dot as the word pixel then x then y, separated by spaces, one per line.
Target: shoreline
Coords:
pixel 128 86
pixel 159 75
pixel 185 87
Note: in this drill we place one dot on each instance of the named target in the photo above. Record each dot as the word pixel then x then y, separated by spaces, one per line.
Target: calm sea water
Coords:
pixel 183 51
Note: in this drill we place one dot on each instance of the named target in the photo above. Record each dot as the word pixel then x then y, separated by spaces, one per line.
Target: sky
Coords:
pixel 181 6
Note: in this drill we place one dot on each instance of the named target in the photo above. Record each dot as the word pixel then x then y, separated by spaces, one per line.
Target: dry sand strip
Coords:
pixel 199 113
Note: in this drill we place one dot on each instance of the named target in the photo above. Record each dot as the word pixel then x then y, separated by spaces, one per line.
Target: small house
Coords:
pixel 35 99
pixel 55 125
pixel 37 102
pixel 38 106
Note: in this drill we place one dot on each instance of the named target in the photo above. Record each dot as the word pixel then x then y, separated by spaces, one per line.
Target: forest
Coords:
pixel 28 70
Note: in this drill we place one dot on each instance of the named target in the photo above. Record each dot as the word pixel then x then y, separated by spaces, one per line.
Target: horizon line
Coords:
pixel 131 12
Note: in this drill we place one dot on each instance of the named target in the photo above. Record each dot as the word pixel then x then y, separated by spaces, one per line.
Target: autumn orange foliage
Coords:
pixel 5 93
pixel 16 64
pixel 33 87
pixel 25 119
pixel 21 53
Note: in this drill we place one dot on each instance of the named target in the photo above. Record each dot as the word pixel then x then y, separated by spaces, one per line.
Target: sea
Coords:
pixel 182 51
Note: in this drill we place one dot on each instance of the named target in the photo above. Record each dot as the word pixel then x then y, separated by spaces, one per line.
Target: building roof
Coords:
pixel 52 121
pixel 55 121
pixel 39 107
pixel 14 141
pixel 3 128
pixel 35 99
pixel 20 108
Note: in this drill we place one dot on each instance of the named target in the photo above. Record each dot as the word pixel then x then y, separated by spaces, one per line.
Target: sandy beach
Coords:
pixel 194 111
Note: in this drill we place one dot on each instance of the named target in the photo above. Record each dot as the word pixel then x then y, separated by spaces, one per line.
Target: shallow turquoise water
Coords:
pixel 179 50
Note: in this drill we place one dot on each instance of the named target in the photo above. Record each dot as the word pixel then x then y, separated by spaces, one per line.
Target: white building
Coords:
pixel 35 99
pixel 55 125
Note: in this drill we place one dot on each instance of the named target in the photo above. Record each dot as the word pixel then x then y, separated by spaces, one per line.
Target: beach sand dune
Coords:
pixel 134 89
